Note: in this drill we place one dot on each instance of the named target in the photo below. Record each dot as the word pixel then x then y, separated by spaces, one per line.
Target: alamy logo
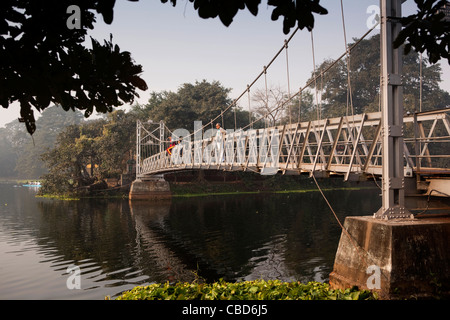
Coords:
pixel 74 20
pixel 374 280
pixel 374 17
pixel 74 279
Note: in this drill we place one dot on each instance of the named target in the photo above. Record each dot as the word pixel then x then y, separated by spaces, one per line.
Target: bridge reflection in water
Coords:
pixel 291 237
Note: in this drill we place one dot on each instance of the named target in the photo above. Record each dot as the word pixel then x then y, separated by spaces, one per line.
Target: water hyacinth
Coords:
pixel 246 290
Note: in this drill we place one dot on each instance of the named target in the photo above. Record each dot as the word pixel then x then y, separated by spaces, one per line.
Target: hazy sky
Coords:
pixel 175 46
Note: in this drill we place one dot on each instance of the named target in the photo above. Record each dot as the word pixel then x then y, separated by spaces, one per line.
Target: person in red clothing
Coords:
pixel 171 146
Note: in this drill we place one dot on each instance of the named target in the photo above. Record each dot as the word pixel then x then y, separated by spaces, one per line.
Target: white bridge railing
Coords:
pixel 343 145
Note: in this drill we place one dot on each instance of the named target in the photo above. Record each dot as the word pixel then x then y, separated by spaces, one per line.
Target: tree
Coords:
pixel 433 97
pixel 20 152
pixel 202 101
pixel 75 150
pixel 90 152
pixel 268 105
pixel 51 122
pixel 293 12
pixel 116 144
pixel 337 97
pixel 427 30
pixel 302 108
pixel 8 156
pixel 66 171
pixel 43 60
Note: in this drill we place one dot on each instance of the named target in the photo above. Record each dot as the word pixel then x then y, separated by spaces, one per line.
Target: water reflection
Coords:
pixel 119 245
pixel 287 237
pixel 149 222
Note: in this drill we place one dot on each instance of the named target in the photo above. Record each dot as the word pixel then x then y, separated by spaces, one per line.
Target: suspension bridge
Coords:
pixel 416 145
pixel 408 153
pixel 349 146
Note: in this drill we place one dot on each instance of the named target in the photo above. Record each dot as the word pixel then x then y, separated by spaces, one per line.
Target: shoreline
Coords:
pixel 193 190
pixel 211 183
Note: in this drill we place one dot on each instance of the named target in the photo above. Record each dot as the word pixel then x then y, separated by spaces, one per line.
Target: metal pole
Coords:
pixel 393 194
pixel 138 148
pixel 421 83
pixel 161 136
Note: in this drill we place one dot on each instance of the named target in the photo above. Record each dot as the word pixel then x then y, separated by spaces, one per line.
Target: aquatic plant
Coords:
pixel 246 290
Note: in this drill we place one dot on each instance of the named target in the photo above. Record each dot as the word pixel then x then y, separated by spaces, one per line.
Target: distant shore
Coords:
pixel 192 184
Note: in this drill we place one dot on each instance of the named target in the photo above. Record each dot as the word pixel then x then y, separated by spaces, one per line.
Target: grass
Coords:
pixel 206 194
pixel 58 197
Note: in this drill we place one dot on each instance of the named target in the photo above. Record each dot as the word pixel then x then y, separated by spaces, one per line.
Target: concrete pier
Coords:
pixel 400 258
pixel 157 189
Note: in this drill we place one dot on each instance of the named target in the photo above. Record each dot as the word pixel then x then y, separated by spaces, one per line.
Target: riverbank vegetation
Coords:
pixel 246 290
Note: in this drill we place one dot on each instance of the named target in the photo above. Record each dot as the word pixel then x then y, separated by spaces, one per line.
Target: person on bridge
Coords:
pixel 220 140
pixel 171 146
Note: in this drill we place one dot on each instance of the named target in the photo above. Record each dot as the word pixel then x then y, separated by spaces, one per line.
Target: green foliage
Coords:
pixel 365 83
pixel 42 61
pixel 89 152
pixel 426 30
pixel 247 290
pixel 293 12
pixel 302 109
pixel 202 101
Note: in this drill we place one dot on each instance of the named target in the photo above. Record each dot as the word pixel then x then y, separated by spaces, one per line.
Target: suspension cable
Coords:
pixel 349 85
pixel 311 81
pixel 315 76
pixel 249 106
pixel 267 95
pixel 288 82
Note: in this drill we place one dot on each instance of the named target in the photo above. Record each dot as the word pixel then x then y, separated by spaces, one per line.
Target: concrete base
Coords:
pixel 401 259
pixel 150 190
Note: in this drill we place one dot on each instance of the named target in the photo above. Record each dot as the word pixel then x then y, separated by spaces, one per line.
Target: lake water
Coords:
pixel 116 245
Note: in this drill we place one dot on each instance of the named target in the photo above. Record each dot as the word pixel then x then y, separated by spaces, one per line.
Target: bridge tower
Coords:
pixel 393 193
pixel 392 252
pixel 152 187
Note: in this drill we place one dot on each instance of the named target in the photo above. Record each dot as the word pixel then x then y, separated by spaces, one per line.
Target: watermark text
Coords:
pixel 74 279
pixel 74 20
